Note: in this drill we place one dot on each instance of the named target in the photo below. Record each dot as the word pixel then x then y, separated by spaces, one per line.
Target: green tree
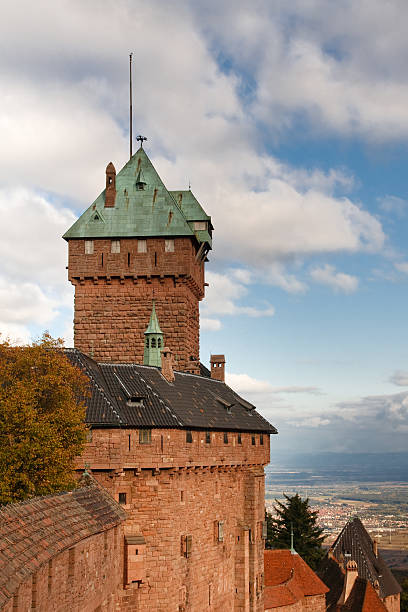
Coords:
pixel 42 426
pixel 296 514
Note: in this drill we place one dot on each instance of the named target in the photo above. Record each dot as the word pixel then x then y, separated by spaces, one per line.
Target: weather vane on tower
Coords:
pixel 141 138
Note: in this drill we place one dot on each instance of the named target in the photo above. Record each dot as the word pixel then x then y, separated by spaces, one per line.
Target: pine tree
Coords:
pixel 42 426
pixel 296 515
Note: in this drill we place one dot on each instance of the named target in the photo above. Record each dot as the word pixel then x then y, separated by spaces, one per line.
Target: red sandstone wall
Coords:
pixel 84 578
pixel 120 448
pixel 113 300
pixel 175 489
pixel 392 603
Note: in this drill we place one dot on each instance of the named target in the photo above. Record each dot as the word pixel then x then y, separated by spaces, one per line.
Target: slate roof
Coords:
pixel 288 579
pixel 35 531
pixel 152 211
pixel 131 395
pixel 354 543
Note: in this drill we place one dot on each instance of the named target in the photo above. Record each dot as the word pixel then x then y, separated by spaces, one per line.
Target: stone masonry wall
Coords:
pixel 172 491
pixel 86 578
pixel 114 293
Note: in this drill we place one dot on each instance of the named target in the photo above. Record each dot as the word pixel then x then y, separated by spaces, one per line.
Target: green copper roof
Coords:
pixel 153 327
pixel 152 211
pixel 153 341
pixel 190 206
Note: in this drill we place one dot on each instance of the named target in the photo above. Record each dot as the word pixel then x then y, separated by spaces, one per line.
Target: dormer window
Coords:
pixel 134 401
pixel 142 246
pixel 200 225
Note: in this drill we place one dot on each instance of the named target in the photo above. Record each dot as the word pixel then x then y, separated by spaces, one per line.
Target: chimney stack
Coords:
pixel 218 367
pixel 349 580
pixel 375 547
pixel 110 191
pixel 167 364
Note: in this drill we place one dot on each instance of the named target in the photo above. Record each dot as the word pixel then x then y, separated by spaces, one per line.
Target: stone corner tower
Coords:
pixel 136 243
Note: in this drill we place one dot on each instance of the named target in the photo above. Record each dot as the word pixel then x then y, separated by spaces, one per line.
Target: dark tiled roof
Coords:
pixel 354 543
pixel 35 531
pixel 131 395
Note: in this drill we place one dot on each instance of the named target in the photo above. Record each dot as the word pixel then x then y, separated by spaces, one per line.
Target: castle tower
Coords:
pixel 153 341
pixel 135 243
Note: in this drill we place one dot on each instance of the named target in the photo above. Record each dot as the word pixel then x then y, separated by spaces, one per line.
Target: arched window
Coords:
pixel 159 342
pixel 147 342
pixel 153 343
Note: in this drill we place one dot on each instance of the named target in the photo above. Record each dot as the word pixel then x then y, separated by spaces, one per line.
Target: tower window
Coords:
pixel 261 439
pixel 145 436
pixel 208 437
pixel 225 438
pixel 253 441
pixel 169 246
pixel 239 439
pixel 189 437
pixel 159 342
pixel 147 342
pixel 122 498
pixel 89 247
pixel 153 343
pixel 115 246
pixel 142 246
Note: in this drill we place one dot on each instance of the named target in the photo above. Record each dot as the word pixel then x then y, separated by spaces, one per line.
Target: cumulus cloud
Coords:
pixel 243 383
pixel 393 204
pixel 225 292
pixel 208 324
pixel 399 378
pixel 339 281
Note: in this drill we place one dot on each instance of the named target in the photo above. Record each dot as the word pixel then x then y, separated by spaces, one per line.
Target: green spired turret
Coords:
pixel 153 341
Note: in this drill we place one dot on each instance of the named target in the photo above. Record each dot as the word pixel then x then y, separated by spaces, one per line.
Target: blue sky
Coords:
pixel 291 122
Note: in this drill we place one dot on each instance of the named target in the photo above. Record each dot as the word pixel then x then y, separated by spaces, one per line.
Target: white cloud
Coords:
pixel 223 293
pixel 207 324
pixel 400 378
pixel 393 204
pixel 339 281
pixel 402 266
pixel 243 383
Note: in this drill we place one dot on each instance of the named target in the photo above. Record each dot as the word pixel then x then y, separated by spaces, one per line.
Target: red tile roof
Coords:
pixel 288 579
pixel 35 531
pixel 363 598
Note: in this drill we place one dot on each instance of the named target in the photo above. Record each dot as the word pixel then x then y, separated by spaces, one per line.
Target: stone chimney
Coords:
pixel 110 191
pixel 218 367
pixel 167 364
pixel 375 548
pixel 349 580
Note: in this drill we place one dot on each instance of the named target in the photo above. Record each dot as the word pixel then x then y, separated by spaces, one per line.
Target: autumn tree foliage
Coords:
pixel 294 515
pixel 42 427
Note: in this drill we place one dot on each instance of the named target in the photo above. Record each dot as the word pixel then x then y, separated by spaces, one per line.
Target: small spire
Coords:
pixel 292 549
pixel 153 340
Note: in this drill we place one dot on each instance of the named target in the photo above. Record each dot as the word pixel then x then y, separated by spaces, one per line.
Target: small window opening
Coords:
pixel 208 437
pixel 110 180
pixel 169 246
pixel 89 247
pixel 161 443
pixel 115 246
pixel 155 258
pixel 142 246
pixel 153 343
pixel 102 260
pixel 128 259
pixel 159 343
pixel 129 442
pixel 253 441
pixel 239 439
pixel 225 438
pixel 189 437
pixel 261 439
pixel 145 436
pixel 220 531
pixel 147 342
pixel 181 496
pixel 122 498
